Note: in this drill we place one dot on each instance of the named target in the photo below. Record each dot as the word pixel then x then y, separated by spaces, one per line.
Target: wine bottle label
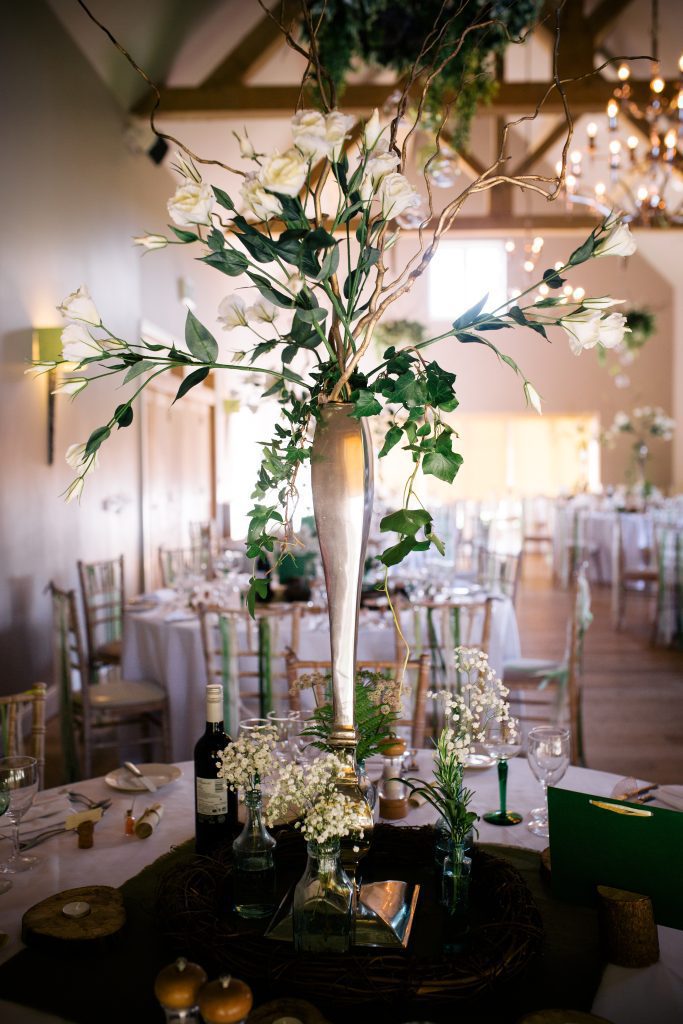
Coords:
pixel 212 796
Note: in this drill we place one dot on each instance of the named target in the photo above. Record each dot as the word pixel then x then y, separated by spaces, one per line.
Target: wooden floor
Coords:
pixel 632 693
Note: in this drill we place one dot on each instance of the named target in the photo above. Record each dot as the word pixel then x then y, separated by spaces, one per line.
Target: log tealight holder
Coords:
pixel 628 927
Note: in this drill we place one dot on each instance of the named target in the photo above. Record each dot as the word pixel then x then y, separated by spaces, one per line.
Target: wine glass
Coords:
pixel 19 782
pixel 503 740
pixel 4 804
pixel 548 756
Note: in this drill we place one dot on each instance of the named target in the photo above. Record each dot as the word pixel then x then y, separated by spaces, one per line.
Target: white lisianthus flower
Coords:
pixel 612 329
pixel 308 131
pixel 151 241
pixel 380 165
pixel 294 283
pixel 75 489
pixel 261 203
pixel 75 455
pixel 337 128
pixel 83 464
pixel 191 203
pixel 232 313
pixel 263 312
pixel 246 148
pixel 77 344
pixel 284 173
pixel 372 130
pixel 79 306
pixel 601 302
pixel 396 194
pixel 185 167
pixel 37 368
pixel 583 330
pixel 532 396
pixel 617 242
pixel 73 386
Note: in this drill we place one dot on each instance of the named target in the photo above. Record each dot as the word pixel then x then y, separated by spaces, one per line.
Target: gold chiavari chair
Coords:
pixel 14 709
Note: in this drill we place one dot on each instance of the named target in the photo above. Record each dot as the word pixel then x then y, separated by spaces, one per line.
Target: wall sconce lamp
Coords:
pixel 47 348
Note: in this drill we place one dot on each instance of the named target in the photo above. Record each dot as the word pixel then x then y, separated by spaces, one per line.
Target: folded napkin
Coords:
pixel 670 796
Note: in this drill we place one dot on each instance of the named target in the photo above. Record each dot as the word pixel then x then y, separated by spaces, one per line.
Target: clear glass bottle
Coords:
pixel 253 863
pixel 322 912
pixel 366 785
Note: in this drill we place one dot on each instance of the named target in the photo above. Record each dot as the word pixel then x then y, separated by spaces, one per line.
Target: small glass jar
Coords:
pixel 392 790
pixel 253 863
pixel 322 912
pixel 455 893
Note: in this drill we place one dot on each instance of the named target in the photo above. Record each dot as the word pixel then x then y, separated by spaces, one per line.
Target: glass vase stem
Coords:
pixel 503 784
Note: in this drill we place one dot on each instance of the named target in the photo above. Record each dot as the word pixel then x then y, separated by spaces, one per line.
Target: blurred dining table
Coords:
pixel 624 996
pixel 163 643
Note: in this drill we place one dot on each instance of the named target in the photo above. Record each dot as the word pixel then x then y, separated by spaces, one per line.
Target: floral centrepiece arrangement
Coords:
pixel 312 239
pixel 248 760
pixel 643 424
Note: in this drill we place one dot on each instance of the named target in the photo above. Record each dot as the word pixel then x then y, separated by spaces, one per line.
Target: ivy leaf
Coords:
pixel 553 279
pixel 191 381
pixel 319 239
pixel 392 437
pixel 257 588
pixel 137 368
pixel 199 340
pixel 470 315
pixel 443 465
pixel 223 199
pixel 184 236
pixel 364 404
pixel 98 435
pixel 584 252
pixel 124 415
pixel 397 552
pixel 228 261
pixel 406 521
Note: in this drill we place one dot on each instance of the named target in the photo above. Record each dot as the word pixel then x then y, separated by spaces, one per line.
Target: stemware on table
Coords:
pixel 503 741
pixel 548 749
pixel 18 786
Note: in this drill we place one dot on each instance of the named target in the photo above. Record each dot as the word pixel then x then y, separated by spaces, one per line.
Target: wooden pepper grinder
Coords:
pixel 225 1001
pixel 177 989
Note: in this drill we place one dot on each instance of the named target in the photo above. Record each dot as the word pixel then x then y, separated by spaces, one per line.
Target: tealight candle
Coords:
pixel 76 909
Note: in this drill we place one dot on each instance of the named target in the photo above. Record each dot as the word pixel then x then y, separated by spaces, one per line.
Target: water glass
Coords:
pixel 503 741
pixel 548 755
pixel 18 786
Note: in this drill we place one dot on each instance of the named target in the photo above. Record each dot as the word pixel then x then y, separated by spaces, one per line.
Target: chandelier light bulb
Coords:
pixel 615 147
pixel 623 72
pixel 537 245
pixel 600 189
pixel 670 139
pixel 632 142
pixel 642 194
pixel 679 99
pixel 657 84
pixel 558 168
pixel 567 290
pixel 543 289
pixel 571 182
pixel 591 129
pixel 680 63
pixel 559 265
pixel 509 246
pixel 612 109
pixel 529 265
pixel 578 294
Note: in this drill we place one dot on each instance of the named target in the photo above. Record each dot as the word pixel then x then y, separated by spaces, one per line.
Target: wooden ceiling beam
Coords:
pixel 586 97
pixel 602 19
pixel 254 49
pixel 540 149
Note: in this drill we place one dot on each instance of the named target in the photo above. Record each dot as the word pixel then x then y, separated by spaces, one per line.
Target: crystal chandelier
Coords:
pixel 639 174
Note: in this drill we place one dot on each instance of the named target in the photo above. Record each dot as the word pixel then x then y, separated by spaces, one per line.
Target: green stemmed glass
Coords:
pixel 503 741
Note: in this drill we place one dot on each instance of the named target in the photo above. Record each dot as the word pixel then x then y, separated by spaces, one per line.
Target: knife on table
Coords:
pixel 134 770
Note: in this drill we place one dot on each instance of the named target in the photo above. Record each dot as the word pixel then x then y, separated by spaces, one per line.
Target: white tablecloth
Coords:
pixel 654 994
pixel 170 653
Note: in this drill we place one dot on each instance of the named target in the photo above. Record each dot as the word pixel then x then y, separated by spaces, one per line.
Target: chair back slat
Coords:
pixel 102 592
pixel 14 708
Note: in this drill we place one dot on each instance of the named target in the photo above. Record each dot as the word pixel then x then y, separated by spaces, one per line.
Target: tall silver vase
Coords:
pixel 342 485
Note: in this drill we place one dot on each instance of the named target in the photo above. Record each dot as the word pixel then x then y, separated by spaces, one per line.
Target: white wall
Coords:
pixel 72 197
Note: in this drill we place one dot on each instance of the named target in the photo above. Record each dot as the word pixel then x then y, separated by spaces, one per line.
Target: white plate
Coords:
pixel 476 761
pixel 160 775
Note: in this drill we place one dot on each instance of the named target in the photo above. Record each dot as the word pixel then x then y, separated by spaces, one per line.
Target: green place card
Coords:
pixel 596 840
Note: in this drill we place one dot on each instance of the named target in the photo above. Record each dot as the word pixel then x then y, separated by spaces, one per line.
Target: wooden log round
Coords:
pixel 628 927
pixel 45 923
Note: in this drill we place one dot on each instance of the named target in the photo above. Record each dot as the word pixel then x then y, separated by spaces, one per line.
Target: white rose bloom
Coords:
pixel 612 329
pixel 294 283
pixel 232 313
pixel 396 194
pixel 73 386
pixel 583 330
pixel 532 397
pixel 372 130
pixel 263 312
pixel 151 241
pixel 381 164
pixel 77 344
pixel 79 306
pixel 260 202
pixel 601 302
pixel 617 242
pixel 308 131
pixel 284 173
pixel 246 148
pixel 337 128
pixel 191 203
